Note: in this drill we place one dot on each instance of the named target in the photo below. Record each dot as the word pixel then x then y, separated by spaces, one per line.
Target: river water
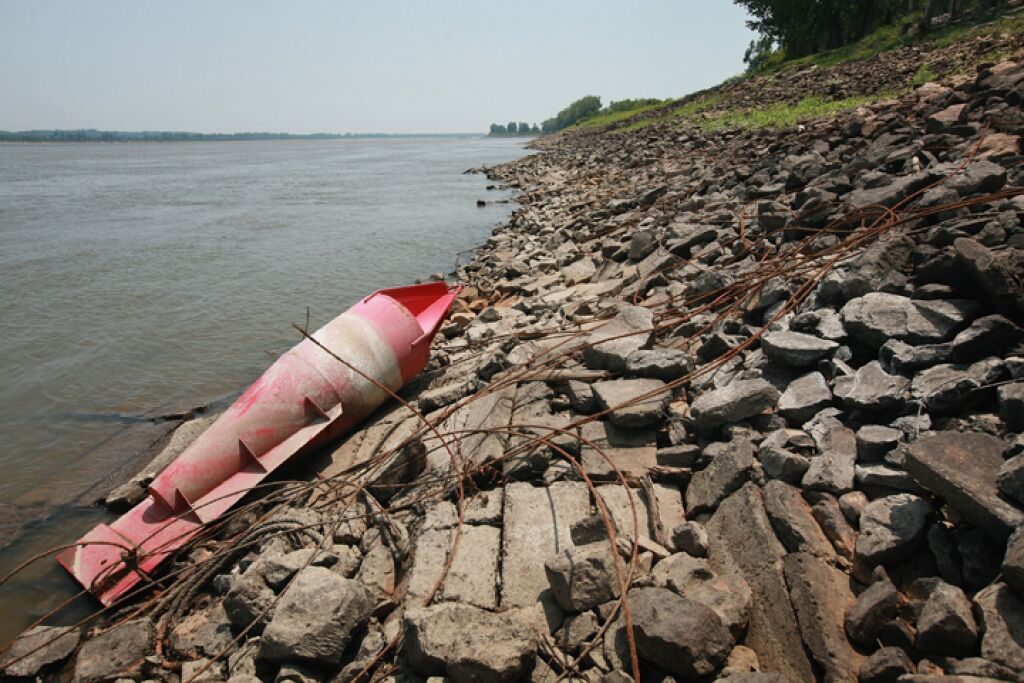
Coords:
pixel 137 279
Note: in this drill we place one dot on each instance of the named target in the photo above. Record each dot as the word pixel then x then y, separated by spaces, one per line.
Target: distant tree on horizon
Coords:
pixel 511 128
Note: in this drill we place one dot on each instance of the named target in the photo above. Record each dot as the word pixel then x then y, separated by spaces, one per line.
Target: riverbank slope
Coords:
pixel 720 402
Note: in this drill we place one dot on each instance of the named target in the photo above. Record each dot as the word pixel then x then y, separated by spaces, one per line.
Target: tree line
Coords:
pixel 513 128
pixel 803 27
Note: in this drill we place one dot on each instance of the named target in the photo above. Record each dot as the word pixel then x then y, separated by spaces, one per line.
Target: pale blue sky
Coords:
pixel 315 65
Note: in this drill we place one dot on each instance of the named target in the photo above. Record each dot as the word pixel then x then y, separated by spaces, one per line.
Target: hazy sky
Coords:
pixel 337 66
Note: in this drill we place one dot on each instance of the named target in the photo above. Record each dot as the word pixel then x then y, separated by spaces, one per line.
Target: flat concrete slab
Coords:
pixel 537 522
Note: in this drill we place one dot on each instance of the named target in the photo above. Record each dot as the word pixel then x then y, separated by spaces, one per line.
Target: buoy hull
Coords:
pixel 307 397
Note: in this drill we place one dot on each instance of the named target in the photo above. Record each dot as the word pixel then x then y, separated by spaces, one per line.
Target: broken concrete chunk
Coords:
pixel 678 635
pixel 834 470
pixel 466 644
pixel 316 617
pixel 874 607
pixel 821 596
pixel 737 401
pixel 117 653
pixel 628 409
pixel 892 528
pixel 584 577
pixel 610 345
pixel 659 363
pixel 946 625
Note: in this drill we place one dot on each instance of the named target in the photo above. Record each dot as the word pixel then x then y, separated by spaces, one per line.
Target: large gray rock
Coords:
pixel 741 541
pixel 1010 480
pixel 467 644
pixel 316 617
pixel 610 345
pixel 796 349
pixel 804 398
pixel 692 577
pixel 875 607
pixel 659 363
pixel 723 475
pixel 117 653
pixel 961 469
pixel 946 625
pixel 1001 616
pixel 821 596
pixel 628 409
pixel 945 389
pixel 680 636
pixel 37 648
pixel 875 318
pixel 892 528
pixel 873 389
pixel 583 577
pixel 737 401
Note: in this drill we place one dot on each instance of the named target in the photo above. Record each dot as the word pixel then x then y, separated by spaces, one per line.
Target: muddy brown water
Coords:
pixel 140 280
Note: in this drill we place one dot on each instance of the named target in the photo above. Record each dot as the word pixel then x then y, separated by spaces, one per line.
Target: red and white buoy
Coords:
pixel 306 398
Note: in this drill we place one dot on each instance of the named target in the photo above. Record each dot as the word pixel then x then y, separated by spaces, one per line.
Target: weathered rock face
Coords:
pixel 316 617
pixel 466 644
pixel 821 596
pixel 680 636
pixel 962 469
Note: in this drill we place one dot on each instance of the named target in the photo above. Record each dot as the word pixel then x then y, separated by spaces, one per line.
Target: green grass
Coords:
pixel 924 75
pixel 784 115
pixel 613 117
pixel 688 109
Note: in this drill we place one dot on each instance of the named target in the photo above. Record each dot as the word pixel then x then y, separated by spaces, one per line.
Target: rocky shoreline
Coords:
pixel 729 405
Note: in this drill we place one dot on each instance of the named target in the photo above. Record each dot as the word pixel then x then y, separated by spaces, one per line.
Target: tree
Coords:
pixel 582 108
pixel 524 128
pixel 511 128
pixel 497 129
pixel 534 129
